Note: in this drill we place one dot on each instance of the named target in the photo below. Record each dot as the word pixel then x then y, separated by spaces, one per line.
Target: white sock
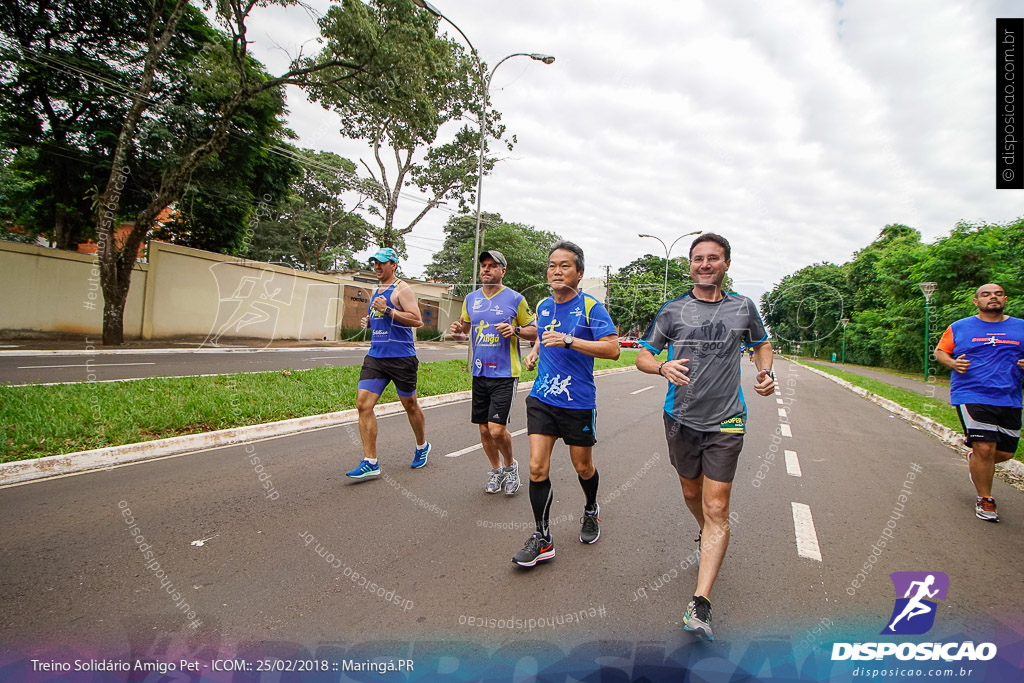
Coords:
pixel 372 461
pixel 422 446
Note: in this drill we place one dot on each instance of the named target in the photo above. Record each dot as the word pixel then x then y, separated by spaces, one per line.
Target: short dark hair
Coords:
pixel 713 237
pixel 569 246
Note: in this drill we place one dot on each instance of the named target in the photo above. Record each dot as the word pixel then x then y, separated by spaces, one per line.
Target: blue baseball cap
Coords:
pixel 385 254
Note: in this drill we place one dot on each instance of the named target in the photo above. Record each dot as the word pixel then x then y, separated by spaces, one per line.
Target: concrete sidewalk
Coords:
pixel 939 390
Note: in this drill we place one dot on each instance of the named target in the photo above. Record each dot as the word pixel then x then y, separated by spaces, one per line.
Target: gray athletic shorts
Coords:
pixel 693 453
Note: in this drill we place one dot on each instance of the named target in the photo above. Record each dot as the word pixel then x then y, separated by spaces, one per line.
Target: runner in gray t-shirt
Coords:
pixel 705 414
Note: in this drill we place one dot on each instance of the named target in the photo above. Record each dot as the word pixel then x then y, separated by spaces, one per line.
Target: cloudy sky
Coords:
pixel 796 128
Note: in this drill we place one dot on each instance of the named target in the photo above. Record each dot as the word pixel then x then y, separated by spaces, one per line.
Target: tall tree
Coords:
pixel 365 46
pixel 447 264
pixel 317 228
pixel 526 249
pixel 419 148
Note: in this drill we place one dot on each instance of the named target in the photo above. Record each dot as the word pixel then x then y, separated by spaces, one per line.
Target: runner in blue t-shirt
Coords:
pixel 392 314
pixel 576 330
pixel 986 354
pixel 496 318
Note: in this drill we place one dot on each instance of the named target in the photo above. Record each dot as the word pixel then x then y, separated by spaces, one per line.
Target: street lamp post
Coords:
pixel 485 85
pixel 668 250
pixel 927 288
pixel 845 322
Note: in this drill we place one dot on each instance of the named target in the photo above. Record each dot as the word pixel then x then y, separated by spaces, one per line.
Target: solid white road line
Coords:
pixel 785 430
pixel 792 464
pixel 640 391
pixel 478 446
pixel 83 365
pixel 806 538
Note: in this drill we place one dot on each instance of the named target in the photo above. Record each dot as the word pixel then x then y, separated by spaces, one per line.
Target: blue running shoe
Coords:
pixel 364 470
pixel 420 459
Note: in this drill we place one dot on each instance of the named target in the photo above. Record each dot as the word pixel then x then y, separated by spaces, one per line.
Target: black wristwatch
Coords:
pixel 387 310
pixel 770 373
pixel 568 340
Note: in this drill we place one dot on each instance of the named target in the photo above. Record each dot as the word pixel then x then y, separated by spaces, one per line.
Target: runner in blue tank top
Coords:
pixel 392 314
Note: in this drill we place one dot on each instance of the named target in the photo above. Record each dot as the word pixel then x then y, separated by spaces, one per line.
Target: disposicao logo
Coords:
pixel 914 614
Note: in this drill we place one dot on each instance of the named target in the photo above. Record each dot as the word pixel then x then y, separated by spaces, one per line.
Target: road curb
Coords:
pixel 356 346
pixel 950 437
pixel 24 471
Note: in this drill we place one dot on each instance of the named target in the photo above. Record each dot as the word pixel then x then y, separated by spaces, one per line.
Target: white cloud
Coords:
pixel 798 129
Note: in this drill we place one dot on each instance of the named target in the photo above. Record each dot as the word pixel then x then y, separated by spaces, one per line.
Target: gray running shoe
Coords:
pixel 511 478
pixel 591 530
pixel 537 548
pixel 698 617
pixel 495 481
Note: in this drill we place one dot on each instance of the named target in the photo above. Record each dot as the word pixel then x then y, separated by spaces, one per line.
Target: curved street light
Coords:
pixel 485 85
pixel 668 250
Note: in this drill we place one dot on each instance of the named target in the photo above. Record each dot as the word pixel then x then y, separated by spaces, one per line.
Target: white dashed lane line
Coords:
pixel 806 537
pixel 640 391
pixel 792 464
pixel 785 430
pixel 477 446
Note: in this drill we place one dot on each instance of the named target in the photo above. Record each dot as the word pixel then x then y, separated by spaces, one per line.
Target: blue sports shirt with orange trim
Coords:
pixel 993 377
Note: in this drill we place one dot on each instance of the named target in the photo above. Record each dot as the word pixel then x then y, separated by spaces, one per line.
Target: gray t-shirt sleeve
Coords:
pixel 656 338
pixel 755 332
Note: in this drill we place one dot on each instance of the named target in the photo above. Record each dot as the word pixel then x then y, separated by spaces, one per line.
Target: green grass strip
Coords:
pixel 36 421
pixel 941 412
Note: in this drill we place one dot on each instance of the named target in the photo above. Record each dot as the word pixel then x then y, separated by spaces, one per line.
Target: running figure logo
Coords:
pixel 914 613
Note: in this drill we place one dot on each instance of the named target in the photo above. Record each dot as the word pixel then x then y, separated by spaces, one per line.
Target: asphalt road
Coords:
pixel 248 564
pixel 99 367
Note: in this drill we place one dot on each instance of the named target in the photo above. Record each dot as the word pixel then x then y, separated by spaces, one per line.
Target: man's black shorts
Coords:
pixel 401 371
pixel 693 453
pixel 991 423
pixel 573 426
pixel 492 399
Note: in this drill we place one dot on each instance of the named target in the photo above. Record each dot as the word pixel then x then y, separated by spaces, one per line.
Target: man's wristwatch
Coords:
pixel 770 373
pixel 568 340
pixel 387 310
pixel 515 330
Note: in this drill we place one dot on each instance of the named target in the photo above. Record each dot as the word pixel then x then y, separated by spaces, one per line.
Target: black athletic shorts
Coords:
pixel 573 426
pixel 991 423
pixel 492 399
pixel 693 453
pixel 377 372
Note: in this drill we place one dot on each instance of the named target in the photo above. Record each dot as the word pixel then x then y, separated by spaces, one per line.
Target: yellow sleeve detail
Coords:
pixel 523 315
pixel 465 313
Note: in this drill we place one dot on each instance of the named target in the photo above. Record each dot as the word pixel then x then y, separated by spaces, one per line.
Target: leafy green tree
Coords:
pixel 408 145
pixel 806 308
pixel 526 249
pixel 366 46
pixel 635 292
pixel 317 228
pixel 447 264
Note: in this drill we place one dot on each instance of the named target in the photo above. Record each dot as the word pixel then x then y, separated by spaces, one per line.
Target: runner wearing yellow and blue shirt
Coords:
pixel 562 405
pixel 496 318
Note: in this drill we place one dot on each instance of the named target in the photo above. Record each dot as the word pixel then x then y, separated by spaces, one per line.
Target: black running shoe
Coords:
pixel 591 530
pixel 698 617
pixel 537 548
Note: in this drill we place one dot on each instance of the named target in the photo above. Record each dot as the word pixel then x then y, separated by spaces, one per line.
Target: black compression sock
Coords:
pixel 540 499
pixel 590 490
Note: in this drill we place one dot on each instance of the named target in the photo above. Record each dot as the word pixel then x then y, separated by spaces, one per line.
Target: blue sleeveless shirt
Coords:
pixel 390 338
